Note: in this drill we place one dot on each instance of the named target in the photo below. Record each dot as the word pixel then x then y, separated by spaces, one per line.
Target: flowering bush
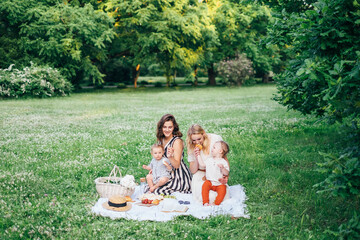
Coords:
pixel 36 81
pixel 235 71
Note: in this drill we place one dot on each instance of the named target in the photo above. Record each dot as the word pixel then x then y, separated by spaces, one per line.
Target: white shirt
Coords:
pixel 213 172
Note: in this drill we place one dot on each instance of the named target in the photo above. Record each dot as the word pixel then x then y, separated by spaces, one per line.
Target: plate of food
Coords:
pixel 149 199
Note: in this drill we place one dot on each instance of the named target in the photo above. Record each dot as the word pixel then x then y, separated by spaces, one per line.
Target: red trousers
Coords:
pixel 207 186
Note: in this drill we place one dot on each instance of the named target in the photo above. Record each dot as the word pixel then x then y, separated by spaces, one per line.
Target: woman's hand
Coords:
pixel 194 165
pixel 167 165
pixel 170 152
pixel 196 152
pixel 175 152
pixel 224 180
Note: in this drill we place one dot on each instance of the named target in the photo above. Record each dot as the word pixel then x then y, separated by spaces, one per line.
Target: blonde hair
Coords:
pixel 197 129
pixel 224 148
pixel 156 145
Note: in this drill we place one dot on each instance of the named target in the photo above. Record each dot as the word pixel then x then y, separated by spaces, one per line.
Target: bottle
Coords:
pixel 142 185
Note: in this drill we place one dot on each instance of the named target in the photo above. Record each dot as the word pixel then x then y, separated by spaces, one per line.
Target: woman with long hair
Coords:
pixel 169 136
pixel 200 143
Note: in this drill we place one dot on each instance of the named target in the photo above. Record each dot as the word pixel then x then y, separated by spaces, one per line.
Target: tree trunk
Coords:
pixel 136 75
pixel 168 76
pixel 174 78
pixel 211 75
pixel 195 75
pixel 265 78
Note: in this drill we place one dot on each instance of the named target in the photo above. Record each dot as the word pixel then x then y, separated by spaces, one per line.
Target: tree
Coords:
pixel 240 27
pixel 323 77
pixel 70 38
pixel 166 32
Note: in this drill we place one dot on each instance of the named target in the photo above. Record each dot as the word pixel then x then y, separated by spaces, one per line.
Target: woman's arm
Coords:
pixel 175 153
pixel 194 166
pixel 197 161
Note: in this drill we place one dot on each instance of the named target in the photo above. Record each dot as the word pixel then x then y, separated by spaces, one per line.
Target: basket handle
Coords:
pixel 114 172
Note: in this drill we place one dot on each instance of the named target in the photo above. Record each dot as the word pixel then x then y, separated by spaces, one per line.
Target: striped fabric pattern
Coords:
pixel 180 178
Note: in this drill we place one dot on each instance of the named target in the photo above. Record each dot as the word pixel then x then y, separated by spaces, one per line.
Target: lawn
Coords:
pixel 52 150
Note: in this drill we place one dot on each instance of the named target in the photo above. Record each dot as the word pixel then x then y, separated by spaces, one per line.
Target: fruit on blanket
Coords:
pixel 150 198
pixel 198 146
pixel 147 201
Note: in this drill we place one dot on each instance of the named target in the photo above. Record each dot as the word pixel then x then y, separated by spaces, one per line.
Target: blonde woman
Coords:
pixel 200 143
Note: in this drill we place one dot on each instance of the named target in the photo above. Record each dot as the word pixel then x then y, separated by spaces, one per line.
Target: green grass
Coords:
pixel 51 150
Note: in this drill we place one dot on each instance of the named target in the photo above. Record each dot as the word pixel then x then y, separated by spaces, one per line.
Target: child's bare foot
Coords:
pixel 206 204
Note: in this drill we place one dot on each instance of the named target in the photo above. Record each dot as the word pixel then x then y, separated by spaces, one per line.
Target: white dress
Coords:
pixel 197 179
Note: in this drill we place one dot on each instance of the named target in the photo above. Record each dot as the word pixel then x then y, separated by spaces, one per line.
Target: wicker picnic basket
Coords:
pixel 110 186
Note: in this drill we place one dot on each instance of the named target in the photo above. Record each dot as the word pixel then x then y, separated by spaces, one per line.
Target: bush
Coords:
pixel 143 83
pixel 121 85
pixel 235 71
pixel 35 81
pixel 158 84
pixel 343 174
pixel 350 229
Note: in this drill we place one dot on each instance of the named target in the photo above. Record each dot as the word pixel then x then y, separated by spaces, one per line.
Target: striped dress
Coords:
pixel 180 180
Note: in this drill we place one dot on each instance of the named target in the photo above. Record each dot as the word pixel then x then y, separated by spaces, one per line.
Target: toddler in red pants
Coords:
pixel 216 168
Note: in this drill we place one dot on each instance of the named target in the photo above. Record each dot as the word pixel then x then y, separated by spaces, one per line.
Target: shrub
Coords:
pixel 343 174
pixel 235 71
pixel 143 83
pixel 158 84
pixel 121 85
pixel 35 81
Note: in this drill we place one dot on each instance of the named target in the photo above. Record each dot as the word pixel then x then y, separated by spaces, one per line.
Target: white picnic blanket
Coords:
pixel 234 206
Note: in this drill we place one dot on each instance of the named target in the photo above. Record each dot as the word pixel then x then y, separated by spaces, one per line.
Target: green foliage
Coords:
pixel 33 81
pixel 121 85
pixel 349 230
pixel 343 175
pixel 78 38
pixel 169 33
pixel 158 85
pixel 289 5
pixel 241 27
pixel 323 78
pixel 235 71
pixel 70 38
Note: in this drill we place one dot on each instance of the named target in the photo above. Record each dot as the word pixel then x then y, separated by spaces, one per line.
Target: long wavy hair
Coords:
pixel 159 132
pixel 197 129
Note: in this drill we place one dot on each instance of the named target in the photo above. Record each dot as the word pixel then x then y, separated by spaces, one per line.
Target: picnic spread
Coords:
pixel 176 205
pixel 121 197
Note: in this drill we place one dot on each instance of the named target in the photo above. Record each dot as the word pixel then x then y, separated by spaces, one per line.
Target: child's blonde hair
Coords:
pixel 224 147
pixel 156 145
